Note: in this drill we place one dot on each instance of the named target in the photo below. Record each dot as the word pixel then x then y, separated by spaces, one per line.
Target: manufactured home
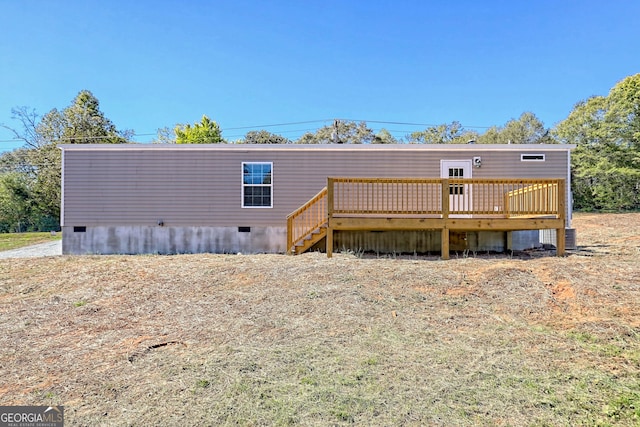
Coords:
pixel 229 198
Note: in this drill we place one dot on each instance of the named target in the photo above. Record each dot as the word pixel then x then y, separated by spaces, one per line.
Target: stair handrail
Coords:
pixel 539 198
pixel 306 219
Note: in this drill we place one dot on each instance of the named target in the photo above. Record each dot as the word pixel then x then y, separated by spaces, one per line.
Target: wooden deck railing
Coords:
pixel 306 219
pixel 385 196
pixel 444 197
pixel 536 199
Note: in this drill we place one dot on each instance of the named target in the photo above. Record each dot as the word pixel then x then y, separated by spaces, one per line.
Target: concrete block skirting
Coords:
pixel 249 240
pixel 172 240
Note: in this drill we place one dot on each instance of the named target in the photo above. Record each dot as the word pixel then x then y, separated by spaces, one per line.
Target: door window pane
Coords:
pixel 456 173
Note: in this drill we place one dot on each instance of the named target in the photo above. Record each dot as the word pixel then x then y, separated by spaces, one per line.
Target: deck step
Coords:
pixel 309 240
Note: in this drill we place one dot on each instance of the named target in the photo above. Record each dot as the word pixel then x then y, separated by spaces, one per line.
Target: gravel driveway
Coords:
pixel 34 251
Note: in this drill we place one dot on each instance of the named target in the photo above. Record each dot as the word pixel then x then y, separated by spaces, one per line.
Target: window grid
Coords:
pixel 257 185
pixel 456 189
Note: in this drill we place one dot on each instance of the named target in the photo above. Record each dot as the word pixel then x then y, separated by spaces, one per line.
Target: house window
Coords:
pixel 532 157
pixel 257 185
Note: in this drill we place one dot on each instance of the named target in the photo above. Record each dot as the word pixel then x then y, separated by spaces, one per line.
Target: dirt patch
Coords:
pixel 563 291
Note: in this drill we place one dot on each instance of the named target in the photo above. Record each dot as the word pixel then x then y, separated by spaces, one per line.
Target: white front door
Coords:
pixel 460 197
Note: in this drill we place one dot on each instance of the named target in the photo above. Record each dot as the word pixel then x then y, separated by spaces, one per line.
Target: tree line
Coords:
pixel 605 164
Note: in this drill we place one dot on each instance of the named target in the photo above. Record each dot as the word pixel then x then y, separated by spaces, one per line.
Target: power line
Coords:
pixel 301 131
pixel 414 124
pixel 275 125
pixel 75 138
pixel 262 126
pixel 278 124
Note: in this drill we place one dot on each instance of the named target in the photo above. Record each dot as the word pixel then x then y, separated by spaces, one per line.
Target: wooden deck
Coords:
pixel 428 204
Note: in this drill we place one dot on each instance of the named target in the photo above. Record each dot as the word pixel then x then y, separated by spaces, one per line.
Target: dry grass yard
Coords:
pixel 277 340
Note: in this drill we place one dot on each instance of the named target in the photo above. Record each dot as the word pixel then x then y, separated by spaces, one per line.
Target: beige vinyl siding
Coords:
pixel 187 186
pixel 497 164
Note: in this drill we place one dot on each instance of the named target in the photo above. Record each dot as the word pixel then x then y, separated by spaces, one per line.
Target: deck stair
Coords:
pixel 310 239
pixel 308 224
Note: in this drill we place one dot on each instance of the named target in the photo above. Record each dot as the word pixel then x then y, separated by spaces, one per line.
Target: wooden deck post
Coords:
pixel 560 241
pixel 445 243
pixel 289 236
pixel 562 214
pixel 329 238
pixel 444 239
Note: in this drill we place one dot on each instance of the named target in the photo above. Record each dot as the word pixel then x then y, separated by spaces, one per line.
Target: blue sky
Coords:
pixel 250 63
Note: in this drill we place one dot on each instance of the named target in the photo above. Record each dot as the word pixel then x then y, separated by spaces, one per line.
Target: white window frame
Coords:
pixel 541 159
pixel 270 185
